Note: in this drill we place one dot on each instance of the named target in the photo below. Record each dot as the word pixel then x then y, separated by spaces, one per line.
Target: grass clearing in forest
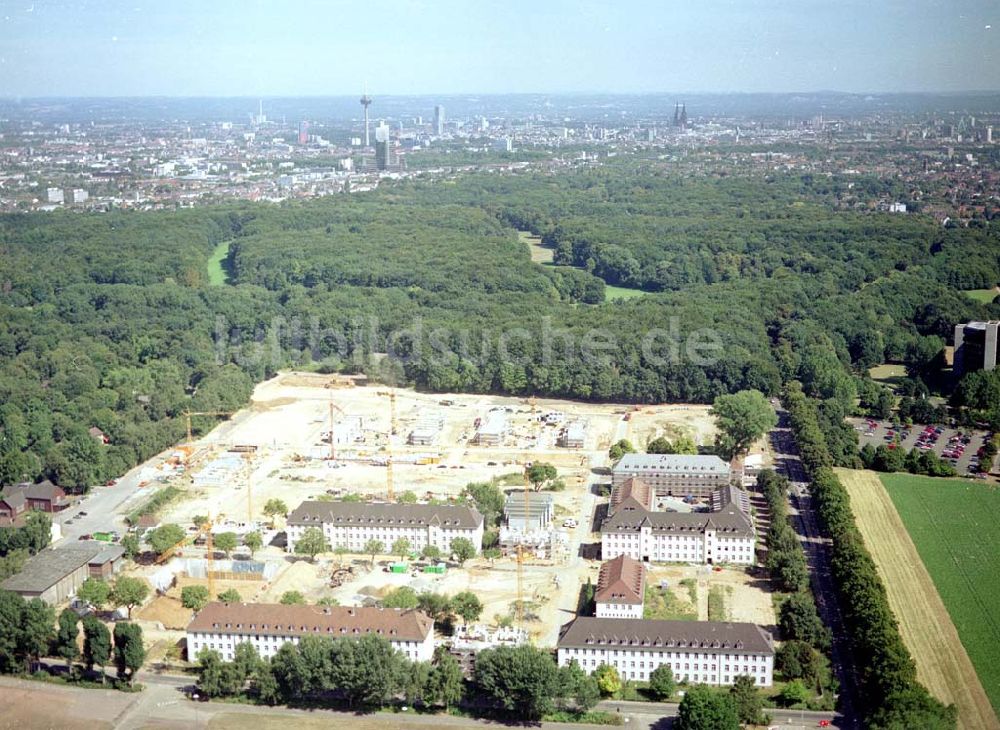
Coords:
pixel 984 296
pixel 936 544
pixel 217 275
pixel 620 293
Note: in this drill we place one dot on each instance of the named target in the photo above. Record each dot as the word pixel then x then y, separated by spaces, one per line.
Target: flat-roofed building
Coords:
pixel 56 574
pixel 426 431
pixel 673 475
pixel 698 652
pixel 492 429
pixel 976 346
pixel 352 524
pixel 724 535
pixel 534 516
pixel 621 588
pixel 267 626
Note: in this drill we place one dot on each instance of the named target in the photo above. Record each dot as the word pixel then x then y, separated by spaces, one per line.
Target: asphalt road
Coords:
pixel 817 549
pixel 106 507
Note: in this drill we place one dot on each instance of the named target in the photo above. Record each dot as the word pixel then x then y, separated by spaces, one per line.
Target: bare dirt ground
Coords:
pixel 286 421
pixel 942 664
pixel 288 418
pixel 37 706
pixel 748 601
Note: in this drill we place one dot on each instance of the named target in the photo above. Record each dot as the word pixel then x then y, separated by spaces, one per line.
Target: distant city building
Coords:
pixel 385 150
pixel 55 195
pixel 698 652
pixel 504 144
pixel 676 475
pixel 222 626
pixel 303 132
pixel 975 347
pixel 352 524
pixel 79 195
pixel 439 120
pixel 366 102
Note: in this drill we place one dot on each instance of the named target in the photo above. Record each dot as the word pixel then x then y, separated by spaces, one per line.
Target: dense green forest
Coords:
pixel 110 320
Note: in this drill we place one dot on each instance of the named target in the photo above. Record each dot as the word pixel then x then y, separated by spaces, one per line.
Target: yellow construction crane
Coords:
pixel 187 418
pixel 248 458
pixel 388 443
pixel 519 605
pixel 520 552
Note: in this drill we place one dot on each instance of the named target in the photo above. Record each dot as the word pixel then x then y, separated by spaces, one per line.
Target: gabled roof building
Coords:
pixel 222 626
pixel 621 587
pixel 699 652
pixel 724 535
pixel 352 524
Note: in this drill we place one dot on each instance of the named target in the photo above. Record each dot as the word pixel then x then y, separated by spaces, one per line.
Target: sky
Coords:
pixel 331 47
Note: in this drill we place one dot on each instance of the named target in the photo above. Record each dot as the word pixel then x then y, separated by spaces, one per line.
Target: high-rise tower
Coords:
pixel 366 102
pixel 439 120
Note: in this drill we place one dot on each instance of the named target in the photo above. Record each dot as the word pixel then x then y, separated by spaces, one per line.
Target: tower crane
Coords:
pixel 187 420
pixel 388 447
pixel 333 407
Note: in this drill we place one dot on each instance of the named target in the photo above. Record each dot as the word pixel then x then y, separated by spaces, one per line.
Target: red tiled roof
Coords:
pixel 621 580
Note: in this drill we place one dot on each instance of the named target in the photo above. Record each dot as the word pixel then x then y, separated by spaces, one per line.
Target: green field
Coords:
pixel 955 525
pixel 217 275
pixel 614 293
pixel 986 296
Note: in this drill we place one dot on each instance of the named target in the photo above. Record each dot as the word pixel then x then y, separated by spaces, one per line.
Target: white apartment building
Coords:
pixel 699 652
pixel 222 626
pixel 621 587
pixel 675 475
pixel 724 535
pixel 352 524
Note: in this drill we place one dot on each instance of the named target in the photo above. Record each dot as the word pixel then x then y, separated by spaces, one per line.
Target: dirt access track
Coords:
pixel 942 663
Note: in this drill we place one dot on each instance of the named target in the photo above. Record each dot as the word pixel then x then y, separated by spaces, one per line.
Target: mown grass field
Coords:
pixel 217 275
pixel 986 296
pixel 955 525
pixel 615 293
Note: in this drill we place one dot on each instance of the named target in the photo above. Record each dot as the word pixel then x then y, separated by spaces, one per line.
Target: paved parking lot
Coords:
pixel 959 447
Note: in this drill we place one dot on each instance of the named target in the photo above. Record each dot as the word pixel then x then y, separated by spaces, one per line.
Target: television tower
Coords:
pixel 366 102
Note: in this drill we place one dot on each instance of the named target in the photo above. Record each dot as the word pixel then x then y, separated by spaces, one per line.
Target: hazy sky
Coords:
pixel 330 47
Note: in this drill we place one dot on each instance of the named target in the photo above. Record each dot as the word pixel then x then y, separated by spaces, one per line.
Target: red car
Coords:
pixel 824 723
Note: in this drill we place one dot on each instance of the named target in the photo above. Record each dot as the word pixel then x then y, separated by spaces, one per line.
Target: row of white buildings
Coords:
pixel 699 652
pixel 221 627
pixel 725 534
pixel 352 524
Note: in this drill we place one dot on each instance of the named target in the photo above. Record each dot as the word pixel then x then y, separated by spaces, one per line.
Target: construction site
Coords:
pixel 321 437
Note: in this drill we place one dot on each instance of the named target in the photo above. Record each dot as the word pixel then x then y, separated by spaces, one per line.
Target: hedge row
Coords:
pixel 889 693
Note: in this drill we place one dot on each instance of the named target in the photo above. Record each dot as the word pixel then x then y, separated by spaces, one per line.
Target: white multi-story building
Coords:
pixel 699 652
pixel 675 475
pixel 724 535
pixel 223 626
pixel 621 587
pixel 352 524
